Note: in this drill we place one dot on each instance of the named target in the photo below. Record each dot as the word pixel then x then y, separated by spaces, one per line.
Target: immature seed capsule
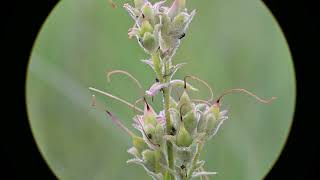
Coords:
pixel 159 132
pixel 139 143
pixel 151 159
pixel 145 27
pixel 149 42
pixel 179 21
pixel 148 12
pixel 184 139
pixel 185 105
pixel 190 122
pixel 149 116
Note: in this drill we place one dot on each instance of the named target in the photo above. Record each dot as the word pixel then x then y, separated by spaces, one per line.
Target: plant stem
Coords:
pixel 166 102
pixel 195 159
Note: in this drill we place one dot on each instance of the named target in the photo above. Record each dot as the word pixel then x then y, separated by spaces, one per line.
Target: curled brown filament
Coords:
pixel 109 74
pixel 265 101
pixel 180 111
pixel 203 82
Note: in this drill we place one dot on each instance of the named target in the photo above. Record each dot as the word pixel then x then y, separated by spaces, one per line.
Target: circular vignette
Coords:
pixel 230 44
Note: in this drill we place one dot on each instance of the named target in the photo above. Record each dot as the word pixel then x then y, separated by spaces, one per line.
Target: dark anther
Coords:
pixel 157 80
pixel 173 131
pixel 182 166
pixel 140 40
pixel 182 35
pixel 143 16
pixel 149 136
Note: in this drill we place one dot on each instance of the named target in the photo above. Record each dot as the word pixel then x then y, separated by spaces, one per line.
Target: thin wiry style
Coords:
pixel 203 82
pixel 265 101
pixel 116 98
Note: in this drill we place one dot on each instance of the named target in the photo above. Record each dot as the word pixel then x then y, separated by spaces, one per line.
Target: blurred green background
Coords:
pixel 230 44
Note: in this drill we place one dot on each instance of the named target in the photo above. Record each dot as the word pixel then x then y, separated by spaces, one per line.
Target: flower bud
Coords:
pixel 149 116
pixel 145 27
pixel 149 42
pixel 184 139
pixel 190 122
pixel 185 105
pixel 165 24
pixel 148 12
pixel 211 122
pixel 139 143
pixel 179 21
pixel 216 110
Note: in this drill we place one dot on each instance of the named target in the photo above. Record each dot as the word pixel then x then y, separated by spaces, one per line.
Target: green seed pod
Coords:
pixel 139 3
pixel 183 156
pixel 152 159
pixel 190 122
pixel 149 42
pixel 211 121
pixel 157 65
pixel 145 27
pixel 184 139
pixel 158 137
pixel 139 143
pixel 185 105
pixel 148 12
pixel 165 24
pixel 150 132
pixel 179 21
pixel 216 110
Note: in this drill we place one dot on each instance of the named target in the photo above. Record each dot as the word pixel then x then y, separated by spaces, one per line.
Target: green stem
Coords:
pixel 166 104
pixel 195 160
pixel 166 101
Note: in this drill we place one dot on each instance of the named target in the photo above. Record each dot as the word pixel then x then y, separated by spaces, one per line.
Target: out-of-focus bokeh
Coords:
pixel 230 44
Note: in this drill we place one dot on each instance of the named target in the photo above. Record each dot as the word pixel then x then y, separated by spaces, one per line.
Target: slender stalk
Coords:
pixel 195 159
pixel 168 127
pixel 166 104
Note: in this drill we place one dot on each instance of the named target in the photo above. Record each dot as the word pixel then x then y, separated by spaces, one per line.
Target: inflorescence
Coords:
pixel 171 140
